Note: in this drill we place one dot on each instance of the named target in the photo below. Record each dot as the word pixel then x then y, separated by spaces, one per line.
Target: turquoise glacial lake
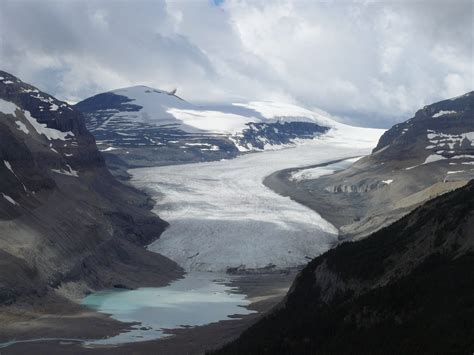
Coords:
pixel 199 298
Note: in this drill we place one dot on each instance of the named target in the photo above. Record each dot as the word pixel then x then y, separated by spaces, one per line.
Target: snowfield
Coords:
pixel 222 216
pixel 162 108
pixel 155 118
pixel 314 173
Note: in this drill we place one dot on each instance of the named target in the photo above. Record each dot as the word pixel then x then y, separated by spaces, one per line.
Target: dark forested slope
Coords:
pixel 406 289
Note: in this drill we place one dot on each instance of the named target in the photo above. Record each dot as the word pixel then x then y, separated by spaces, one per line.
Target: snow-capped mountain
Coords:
pixel 131 120
pixel 443 130
pixel 40 127
pixel 64 220
pixel 415 160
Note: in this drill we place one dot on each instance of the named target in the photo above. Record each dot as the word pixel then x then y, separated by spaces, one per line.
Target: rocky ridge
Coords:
pixel 414 161
pixel 66 225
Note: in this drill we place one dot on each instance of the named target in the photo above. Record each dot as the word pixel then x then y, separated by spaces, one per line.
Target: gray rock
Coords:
pixel 64 219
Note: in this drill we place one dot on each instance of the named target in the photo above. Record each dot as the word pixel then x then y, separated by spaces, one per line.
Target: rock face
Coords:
pixel 142 126
pixel 406 289
pixel 453 117
pixel 416 160
pixel 65 222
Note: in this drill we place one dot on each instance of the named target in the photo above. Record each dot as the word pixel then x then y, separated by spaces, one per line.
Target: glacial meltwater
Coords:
pixel 199 298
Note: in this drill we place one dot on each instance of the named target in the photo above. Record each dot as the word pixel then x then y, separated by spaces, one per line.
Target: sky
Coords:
pixel 370 63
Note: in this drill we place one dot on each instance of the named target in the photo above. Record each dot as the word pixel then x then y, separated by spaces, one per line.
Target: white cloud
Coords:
pixel 455 85
pixel 372 62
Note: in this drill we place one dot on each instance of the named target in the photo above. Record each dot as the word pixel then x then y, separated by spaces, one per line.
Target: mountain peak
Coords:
pixel 45 108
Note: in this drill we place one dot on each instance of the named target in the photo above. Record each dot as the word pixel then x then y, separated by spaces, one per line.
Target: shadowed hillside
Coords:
pixel 407 289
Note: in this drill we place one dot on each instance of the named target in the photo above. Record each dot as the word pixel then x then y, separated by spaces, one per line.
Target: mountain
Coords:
pixel 414 161
pixel 406 289
pixel 66 225
pixel 143 126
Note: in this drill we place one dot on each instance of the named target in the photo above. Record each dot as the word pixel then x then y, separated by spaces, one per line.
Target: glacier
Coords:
pixel 222 217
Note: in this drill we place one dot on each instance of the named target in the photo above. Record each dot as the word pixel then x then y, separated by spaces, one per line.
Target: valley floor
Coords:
pixel 224 219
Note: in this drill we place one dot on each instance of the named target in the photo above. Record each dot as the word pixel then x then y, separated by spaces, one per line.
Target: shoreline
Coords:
pixel 264 291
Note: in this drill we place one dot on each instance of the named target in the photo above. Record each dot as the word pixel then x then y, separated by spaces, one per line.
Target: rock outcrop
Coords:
pixel 414 161
pixel 65 222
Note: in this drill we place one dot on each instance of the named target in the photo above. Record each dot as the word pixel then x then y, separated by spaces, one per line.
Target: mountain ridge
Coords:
pixel 141 126
pixel 67 226
pixel 427 155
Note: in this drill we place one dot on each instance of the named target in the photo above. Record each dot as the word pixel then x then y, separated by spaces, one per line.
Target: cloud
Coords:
pixel 370 62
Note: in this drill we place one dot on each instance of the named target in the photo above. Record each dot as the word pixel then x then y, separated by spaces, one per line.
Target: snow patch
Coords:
pixel 215 121
pixel 314 173
pixel 310 174
pixel 109 149
pixel 69 172
pixel 21 127
pixel 430 159
pixel 455 172
pixel 387 182
pixel 441 140
pixel 436 157
pixel 29 90
pixel 9 199
pixel 8 107
pixel 9 167
pixel 42 129
pixel 443 113
pixel 213 148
